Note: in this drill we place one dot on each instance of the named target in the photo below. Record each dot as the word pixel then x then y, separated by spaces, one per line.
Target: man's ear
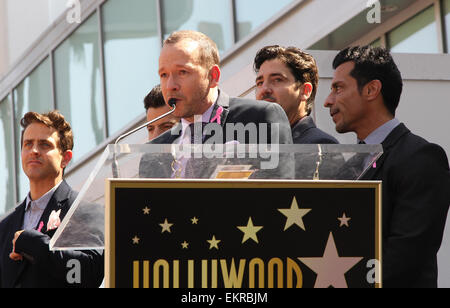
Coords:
pixel 66 158
pixel 372 90
pixel 307 89
pixel 214 76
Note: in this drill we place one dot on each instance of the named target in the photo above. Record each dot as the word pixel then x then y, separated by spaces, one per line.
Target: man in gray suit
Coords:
pixel 189 76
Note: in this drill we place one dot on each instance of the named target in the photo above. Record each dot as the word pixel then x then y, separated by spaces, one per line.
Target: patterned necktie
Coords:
pixel 196 132
pixel 193 165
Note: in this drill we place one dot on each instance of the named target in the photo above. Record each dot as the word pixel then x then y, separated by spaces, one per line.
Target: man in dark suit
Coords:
pixel 189 76
pixel 289 77
pixel 365 93
pixel 25 233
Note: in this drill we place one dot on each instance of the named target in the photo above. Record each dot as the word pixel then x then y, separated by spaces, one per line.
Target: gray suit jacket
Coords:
pixel 243 120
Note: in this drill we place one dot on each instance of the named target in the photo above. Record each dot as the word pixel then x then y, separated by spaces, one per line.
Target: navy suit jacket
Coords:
pixel 416 198
pixel 41 267
pixel 306 132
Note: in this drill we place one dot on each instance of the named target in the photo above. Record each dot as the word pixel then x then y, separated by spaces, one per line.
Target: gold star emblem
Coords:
pixel 136 240
pixel 213 243
pixel 331 268
pixel 146 211
pixel 344 220
pixel 166 226
pixel 185 245
pixel 250 231
pixel 294 215
pixel 194 221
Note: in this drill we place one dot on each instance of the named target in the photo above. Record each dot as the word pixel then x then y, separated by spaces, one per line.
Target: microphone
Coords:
pixel 115 165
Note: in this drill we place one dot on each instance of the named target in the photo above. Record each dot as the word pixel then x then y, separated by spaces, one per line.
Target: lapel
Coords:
pixel 57 202
pixel 223 101
pixel 302 126
pixel 388 144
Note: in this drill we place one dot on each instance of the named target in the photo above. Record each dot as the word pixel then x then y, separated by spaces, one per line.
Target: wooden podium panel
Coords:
pixel 242 234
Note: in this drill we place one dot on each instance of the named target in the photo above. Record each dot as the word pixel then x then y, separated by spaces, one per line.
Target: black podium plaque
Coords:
pixel 242 234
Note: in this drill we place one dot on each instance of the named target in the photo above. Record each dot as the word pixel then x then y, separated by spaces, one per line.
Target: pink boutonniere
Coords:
pixel 53 222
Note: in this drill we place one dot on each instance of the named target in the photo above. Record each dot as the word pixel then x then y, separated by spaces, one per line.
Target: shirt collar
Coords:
pixel 205 118
pixel 380 134
pixel 42 202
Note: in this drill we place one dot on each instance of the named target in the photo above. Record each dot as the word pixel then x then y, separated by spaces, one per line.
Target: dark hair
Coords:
pixel 374 63
pixel 154 99
pixel 209 53
pixel 53 120
pixel 301 64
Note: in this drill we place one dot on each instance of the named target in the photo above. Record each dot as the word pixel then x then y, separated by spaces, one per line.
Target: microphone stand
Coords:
pixel 115 164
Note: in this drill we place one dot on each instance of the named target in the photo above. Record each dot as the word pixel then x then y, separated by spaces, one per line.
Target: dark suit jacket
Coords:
pixel 243 112
pixel 41 267
pixel 416 197
pixel 306 132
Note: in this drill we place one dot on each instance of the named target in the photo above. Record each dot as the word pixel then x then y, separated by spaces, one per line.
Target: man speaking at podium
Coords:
pixel 189 77
pixel 365 93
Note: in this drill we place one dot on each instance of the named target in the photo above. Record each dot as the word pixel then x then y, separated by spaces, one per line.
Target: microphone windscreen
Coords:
pixel 172 102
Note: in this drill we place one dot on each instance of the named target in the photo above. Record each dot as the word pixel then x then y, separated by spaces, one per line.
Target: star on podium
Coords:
pixel 213 243
pixel 166 226
pixel 250 231
pixel 135 240
pixel 294 215
pixel 331 268
pixel 344 221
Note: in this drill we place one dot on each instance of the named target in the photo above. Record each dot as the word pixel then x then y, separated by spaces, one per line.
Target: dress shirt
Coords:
pixel 185 138
pixel 35 209
pixel 378 135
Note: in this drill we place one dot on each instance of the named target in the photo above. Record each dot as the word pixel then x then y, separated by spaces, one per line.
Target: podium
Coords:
pixel 231 216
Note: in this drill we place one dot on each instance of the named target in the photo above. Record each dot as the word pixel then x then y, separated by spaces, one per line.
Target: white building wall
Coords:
pixel 21 23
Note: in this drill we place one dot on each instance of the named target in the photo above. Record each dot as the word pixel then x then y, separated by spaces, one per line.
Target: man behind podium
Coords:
pixel 289 77
pixel 25 258
pixel 190 74
pixel 365 93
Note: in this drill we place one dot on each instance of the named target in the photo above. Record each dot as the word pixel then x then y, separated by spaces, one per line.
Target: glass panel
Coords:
pixel 32 94
pixel 447 22
pixel 78 86
pixel 212 17
pixel 7 198
pixel 84 225
pixel 134 34
pixel 250 14
pixel 417 35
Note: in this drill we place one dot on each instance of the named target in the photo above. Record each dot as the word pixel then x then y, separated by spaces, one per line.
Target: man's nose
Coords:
pixel 263 91
pixel 172 83
pixel 329 101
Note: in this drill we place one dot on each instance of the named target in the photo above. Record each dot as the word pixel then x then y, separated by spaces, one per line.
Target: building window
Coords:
pixel 250 14
pixel 376 43
pixel 447 22
pixel 79 88
pixel 212 17
pixel 32 94
pixel 131 49
pixel 417 35
pixel 7 198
